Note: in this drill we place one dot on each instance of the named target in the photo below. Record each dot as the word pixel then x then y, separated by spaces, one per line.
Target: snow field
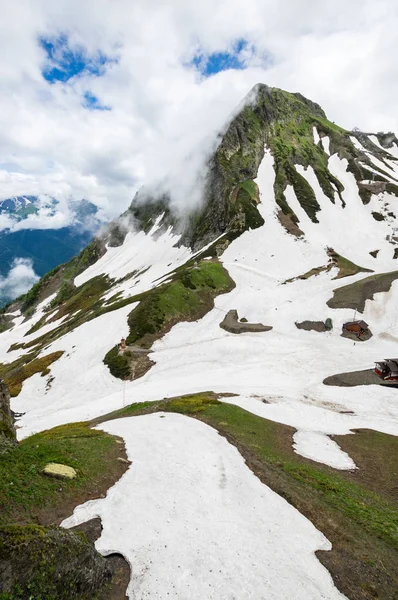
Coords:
pixel 195 523
pixel 285 366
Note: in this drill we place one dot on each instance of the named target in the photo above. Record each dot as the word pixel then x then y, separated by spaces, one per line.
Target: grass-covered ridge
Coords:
pixel 27 495
pixel 188 296
pixel 355 510
pixel 50 563
pixel 53 280
pixel 16 372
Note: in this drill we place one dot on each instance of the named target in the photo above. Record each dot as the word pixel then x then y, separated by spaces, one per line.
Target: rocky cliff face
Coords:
pixel 284 123
pixel 7 429
pixel 297 133
pixel 49 562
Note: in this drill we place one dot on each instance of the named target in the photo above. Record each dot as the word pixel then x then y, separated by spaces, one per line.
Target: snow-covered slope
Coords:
pixel 243 542
pixel 277 375
pixel 286 366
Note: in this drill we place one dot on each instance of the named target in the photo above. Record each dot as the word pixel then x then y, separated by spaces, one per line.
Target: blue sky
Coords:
pixel 221 61
pixel 65 61
pixel 92 102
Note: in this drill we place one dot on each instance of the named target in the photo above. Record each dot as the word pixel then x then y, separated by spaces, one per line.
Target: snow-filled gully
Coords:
pixel 196 524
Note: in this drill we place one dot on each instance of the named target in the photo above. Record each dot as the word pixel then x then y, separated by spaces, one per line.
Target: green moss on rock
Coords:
pixel 118 364
pixel 49 563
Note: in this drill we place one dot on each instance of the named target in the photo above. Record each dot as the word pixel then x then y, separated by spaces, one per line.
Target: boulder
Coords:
pixel 232 324
pixel 59 471
pixel 49 562
pixel 319 326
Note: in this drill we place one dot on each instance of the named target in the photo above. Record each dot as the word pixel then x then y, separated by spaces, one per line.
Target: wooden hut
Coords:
pixel 387 369
pixel 356 327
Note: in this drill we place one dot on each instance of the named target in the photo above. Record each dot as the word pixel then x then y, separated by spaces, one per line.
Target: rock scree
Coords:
pixel 116 588
pixel 232 324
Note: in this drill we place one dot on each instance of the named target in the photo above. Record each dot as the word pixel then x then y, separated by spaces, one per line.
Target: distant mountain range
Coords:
pixel 45 248
pixel 19 206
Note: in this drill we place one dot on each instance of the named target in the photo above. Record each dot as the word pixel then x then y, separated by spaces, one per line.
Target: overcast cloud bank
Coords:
pixel 102 97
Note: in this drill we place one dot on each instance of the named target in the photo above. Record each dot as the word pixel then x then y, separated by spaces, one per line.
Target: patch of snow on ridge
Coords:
pixel 374 139
pixel 149 255
pixel 393 150
pixel 82 386
pixel 320 448
pixel 195 523
pixel 316 135
pixel 326 144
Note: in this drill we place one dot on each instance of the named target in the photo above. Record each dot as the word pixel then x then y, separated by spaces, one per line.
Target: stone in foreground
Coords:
pixel 49 562
pixel 59 471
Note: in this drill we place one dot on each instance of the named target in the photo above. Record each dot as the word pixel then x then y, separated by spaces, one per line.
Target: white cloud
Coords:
pixel 50 214
pixel 19 279
pixel 340 54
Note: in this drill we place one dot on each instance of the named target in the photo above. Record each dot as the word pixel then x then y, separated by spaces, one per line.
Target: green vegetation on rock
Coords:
pixel 346 267
pixel 49 564
pixel 187 297
pixel 84 304
pixel 27 495
pixel 16 372
pixel 118 364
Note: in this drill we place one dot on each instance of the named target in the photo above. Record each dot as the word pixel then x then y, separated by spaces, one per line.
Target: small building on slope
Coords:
pixel 387 369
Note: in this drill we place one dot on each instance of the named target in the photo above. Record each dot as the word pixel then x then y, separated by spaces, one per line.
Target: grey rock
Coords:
pixel 232 324
pixel 51 562
pixel 8 436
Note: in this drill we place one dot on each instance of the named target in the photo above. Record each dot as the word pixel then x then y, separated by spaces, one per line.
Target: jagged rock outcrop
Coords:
pixel 284 122
pixel 7 429
pixel 232 324
pixel 49 562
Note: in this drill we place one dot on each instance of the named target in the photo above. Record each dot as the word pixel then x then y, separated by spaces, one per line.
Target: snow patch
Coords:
pixel 320 448
pixel 194 522
pixel 316 135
